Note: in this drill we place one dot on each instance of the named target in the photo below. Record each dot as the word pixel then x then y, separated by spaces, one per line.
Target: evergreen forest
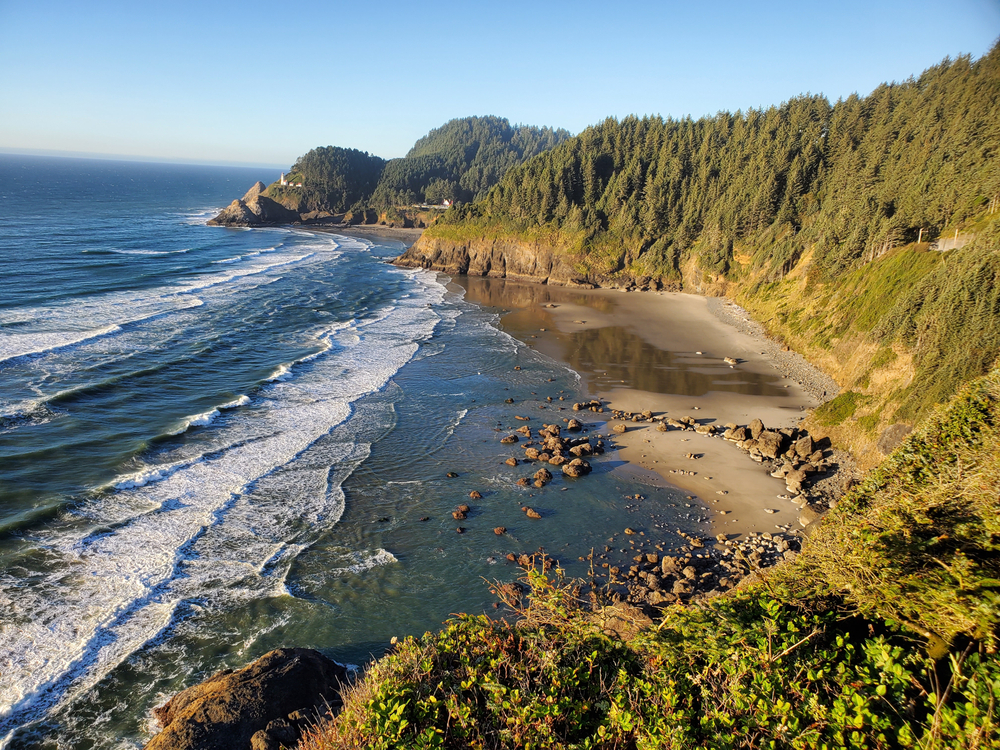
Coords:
pixel 864 233
pixel 459 161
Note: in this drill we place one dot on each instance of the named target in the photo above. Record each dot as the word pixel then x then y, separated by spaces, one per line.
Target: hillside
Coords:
pixel 817 217
pixel 459 161
pixel 333 180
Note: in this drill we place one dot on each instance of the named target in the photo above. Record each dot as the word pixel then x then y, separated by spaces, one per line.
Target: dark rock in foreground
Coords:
pixel 264 705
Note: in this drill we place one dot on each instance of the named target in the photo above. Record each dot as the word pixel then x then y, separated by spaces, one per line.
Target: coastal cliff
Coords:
pixel 500 258
pixel 549 259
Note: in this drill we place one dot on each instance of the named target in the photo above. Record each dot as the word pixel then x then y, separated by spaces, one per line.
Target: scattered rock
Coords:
pixel 543 475
pixel 808 515
pixel 769 443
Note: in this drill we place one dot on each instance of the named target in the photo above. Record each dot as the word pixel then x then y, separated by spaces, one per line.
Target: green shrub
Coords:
pixel 839 409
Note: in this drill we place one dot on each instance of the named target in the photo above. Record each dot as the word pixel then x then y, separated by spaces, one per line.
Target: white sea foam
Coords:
pixel 229 260
pixel 198 420
pixel 366 560
pixel 205 529
pixel 282 372
pixel 149 252
pixel 48 328
pixel 243 400
pixel 206 418
pixel 149 475
pixel 14 345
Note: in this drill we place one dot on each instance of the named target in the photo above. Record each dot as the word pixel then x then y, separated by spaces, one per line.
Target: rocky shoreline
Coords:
pixel 642 573
pixel 646 566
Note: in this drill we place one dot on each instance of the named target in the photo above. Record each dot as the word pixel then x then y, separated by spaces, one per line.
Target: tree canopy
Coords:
pixel 848 179
pixel 461 160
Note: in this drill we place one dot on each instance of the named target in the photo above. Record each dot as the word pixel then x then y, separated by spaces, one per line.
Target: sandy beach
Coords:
pixel 406 235
pixel 664 352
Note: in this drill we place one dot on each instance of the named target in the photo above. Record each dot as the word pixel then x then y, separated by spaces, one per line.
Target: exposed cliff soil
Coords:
pixel 512 259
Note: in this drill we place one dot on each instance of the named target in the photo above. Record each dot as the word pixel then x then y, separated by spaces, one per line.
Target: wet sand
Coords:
pixel 368 231
pixel 664 352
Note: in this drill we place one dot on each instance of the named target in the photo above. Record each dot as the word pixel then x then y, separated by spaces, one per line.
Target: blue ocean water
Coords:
pixel 214 442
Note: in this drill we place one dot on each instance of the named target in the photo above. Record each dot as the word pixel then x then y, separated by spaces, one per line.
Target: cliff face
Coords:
pixel 517 260
pixel 254 210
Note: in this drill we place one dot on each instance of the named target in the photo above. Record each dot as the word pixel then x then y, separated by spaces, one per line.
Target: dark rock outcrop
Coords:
pixel 517 260
pixel 254 210
pixel 258 707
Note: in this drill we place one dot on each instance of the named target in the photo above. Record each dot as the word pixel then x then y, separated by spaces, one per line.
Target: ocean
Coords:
pixel 215 442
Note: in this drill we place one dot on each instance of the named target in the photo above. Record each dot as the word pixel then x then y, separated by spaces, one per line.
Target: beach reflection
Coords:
pixel 611 356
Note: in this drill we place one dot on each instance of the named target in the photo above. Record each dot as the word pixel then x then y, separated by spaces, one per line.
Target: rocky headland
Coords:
pixel 254 210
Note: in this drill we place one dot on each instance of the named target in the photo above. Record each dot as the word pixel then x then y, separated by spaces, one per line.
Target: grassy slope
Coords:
pixel 882 634
pixel 900 335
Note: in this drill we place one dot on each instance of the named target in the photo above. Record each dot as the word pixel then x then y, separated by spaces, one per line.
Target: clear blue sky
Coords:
pixel 262 82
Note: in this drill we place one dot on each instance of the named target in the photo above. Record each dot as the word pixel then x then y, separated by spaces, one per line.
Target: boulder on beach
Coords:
pixel 769 443
pixel 736 434
pixel 265 704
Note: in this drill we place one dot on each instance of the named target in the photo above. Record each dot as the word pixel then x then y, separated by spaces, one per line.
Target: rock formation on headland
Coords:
pixel 263 706
pixel 254 210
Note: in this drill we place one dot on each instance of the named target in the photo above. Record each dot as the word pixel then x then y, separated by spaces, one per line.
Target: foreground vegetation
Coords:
pixel 881 634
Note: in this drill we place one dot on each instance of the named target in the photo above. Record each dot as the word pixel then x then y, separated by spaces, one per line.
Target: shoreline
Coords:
pixel 406 235
pixel 663 352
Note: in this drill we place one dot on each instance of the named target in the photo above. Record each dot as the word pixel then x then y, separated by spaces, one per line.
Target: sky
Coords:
pixel 260 83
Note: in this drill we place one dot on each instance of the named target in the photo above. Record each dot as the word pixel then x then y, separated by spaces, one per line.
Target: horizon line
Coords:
pixel 99 156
